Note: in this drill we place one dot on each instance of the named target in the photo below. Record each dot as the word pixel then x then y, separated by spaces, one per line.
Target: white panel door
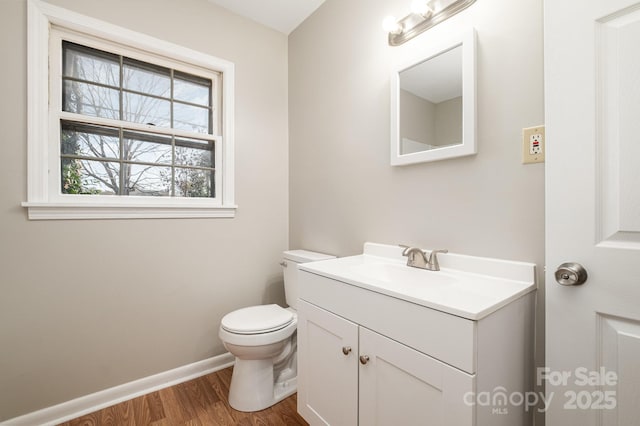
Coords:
pixel 327 367
pixel 401 386
pixel 592 108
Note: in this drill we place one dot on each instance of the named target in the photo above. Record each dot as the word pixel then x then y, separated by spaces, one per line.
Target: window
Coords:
pixel 128 126
pixel 97 158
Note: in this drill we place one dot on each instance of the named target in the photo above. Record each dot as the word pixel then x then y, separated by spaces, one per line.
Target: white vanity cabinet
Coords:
pixel 401 386
pixel 350 375
pixel 329 383
pixel 366 357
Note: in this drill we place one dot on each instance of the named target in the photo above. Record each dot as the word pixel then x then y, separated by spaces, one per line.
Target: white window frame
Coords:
pixel 46 23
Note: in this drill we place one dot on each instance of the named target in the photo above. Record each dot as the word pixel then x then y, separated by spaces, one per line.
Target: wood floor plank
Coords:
pixel 185 394
pixel 173 410
pixel 288 409
pixel 141 411
pixel 154 403
pixel 216 384
pixel 203 401
pixel 162 422
pixel 118 415
pixel 91 419
pixel 218 414
pixel 225 376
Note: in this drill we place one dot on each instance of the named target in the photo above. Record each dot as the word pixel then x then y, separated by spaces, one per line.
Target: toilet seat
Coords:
pixel 258 339
pixel 257 319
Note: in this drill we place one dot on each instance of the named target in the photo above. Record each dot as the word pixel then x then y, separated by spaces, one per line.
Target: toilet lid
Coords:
pixel 257 319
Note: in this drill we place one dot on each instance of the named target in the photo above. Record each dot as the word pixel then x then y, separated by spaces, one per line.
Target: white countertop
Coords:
pixel 466 286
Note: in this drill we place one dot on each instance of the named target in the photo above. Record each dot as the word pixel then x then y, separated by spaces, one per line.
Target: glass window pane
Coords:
pixel 146 110
pixel 144 180
pixel 91 64
pixel 89 141
pixel 193 182
pixel 147 148
pixel 89 177
pixel 145 78
pixel 190 118
pixel 95 157
pixel 192 91
pixel 194 152
pixel 89 99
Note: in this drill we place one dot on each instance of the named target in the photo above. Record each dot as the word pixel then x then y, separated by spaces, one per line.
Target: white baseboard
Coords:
pixel 105 398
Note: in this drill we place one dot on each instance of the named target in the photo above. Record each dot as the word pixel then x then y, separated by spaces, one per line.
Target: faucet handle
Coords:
pixel 405 247
pixel 439 251
pixel 433 263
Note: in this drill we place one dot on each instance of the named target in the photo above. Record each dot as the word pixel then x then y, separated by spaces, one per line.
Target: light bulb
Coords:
pixel 420 7
pixel 391 25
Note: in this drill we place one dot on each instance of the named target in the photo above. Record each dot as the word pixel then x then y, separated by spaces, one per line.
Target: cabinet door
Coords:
pixel 327 377
pixel 401 386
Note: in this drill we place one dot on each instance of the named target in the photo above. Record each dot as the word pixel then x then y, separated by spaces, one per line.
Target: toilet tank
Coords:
pixel 290 269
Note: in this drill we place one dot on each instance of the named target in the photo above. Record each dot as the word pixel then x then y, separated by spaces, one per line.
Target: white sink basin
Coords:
pixel 466 286
pixel 402 276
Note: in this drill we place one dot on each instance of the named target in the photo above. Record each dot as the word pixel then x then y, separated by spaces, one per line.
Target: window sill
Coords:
pixel 62 211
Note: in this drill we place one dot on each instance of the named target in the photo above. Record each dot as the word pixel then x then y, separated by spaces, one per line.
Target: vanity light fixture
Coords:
pixel 421 7
pixel 424 15
pixel 391 25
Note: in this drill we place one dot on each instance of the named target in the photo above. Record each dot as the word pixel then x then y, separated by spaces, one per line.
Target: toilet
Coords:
pixel 263 340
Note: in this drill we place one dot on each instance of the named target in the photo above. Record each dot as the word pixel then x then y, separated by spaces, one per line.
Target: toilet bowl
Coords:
pixel 263 340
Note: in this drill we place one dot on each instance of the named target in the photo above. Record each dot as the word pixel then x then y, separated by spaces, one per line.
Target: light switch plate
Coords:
pixel 533 145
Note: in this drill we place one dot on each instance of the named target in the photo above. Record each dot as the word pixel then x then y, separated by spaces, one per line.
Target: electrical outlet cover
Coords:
pixel 533 145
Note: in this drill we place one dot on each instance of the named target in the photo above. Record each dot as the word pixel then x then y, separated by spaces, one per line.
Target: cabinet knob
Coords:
pixel 364 359
pixel 346 350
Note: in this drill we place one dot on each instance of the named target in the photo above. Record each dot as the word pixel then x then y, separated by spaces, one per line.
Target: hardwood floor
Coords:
pixel 202 401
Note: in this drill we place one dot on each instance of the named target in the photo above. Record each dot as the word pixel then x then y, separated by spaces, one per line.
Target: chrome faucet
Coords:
pixel 417 258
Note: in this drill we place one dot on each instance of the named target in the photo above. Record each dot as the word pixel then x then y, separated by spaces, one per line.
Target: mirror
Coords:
pixel 433 103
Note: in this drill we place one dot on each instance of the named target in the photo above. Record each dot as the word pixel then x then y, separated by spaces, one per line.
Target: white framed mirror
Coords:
pixel 433 102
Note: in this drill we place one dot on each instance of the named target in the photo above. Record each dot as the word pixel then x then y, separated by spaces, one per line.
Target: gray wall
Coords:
pixel 423 122
pixel 416 123
pixel 86 305
pixel 343 191
pixel 448 118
